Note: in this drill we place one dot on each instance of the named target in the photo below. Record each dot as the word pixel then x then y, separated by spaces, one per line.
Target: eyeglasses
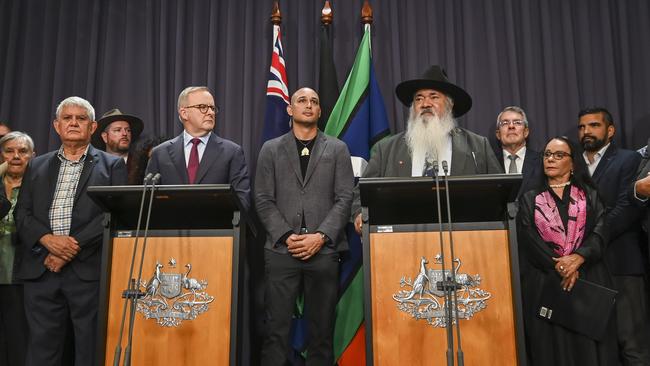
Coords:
pixel 203 108
pixel 513 122
pixel 557 155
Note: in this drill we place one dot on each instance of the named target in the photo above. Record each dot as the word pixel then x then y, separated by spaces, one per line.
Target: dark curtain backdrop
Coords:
pixel 550 57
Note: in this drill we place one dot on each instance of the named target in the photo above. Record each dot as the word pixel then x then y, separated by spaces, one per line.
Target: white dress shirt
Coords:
pixel 592 166
pixel 187 143
pixel 521 155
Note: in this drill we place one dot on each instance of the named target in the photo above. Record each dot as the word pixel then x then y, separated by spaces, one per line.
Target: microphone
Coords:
pixel 127 352
pixel 131 288
pixel 147 178
pixel 430 164
pixel 441 285
pixel 459 351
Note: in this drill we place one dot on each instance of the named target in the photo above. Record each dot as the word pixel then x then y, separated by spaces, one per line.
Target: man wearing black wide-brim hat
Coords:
pixel 432 134
pixel 115 132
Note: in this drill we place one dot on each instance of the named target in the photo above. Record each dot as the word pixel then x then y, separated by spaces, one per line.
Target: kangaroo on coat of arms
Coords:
pixel 425 301
pixel 171 298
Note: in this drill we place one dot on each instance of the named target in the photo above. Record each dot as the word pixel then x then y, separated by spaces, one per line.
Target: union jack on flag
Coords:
pixel 276 120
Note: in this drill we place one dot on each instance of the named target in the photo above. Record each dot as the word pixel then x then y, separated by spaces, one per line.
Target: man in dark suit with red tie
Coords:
pixel 60 233
pixel 614 170
pixel 198 155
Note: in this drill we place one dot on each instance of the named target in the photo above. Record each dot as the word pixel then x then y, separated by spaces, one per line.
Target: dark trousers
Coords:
pixel 13 326
pixel 51 303
pixel 632 319
pixel 284 277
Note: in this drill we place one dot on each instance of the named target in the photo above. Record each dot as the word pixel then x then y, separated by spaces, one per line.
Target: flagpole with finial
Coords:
pixel 276 16
pixel 326 14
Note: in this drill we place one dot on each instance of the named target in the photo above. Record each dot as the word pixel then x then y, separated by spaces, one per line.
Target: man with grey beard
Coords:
pixel 432 135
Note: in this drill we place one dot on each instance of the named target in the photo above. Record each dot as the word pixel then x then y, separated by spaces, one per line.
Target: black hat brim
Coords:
pixel 407 89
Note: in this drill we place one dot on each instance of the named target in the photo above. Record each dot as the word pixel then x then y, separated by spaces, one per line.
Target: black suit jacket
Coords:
pixel 644 170
pixel 223 162
pixel 531 171
pixel 33 206
pixel 615 173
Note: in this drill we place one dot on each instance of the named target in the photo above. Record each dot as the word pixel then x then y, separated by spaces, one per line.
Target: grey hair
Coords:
pixel 513 108
pixel 78 102
pixel 17 135
pixel 182 97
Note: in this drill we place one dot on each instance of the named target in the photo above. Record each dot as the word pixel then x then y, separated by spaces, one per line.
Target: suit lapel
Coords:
pixel 317 153
pixel 54 166
pixel 604 162
pixel 458 157
pixel 529 162
pixel 89 163
pixel 289 148
pixel 177 155
pixel 404 160
pixel 210 154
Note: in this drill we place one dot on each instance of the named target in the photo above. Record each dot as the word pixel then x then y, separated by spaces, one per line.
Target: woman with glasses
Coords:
pixel 17 149
pixel 562 237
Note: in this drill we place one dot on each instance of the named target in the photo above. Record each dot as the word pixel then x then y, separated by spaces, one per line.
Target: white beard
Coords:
pixel 427 136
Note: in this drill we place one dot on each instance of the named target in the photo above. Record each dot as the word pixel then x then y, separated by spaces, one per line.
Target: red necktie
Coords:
pixel 193 163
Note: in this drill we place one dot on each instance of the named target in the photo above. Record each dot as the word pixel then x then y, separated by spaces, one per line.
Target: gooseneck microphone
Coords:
pixel 441 285
pixel 134 302
pixel 459 352
pixel 129 294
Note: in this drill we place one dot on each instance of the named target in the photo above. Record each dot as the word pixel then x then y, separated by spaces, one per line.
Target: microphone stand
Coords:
pixel 139 294
pixel 442 285
pixel 459 352
pixel 129 293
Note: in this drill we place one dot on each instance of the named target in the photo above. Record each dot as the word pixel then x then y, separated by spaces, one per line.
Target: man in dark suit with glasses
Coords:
pixel 198 155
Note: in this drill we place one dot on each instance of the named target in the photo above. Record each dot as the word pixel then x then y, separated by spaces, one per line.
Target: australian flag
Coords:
pixel 276 120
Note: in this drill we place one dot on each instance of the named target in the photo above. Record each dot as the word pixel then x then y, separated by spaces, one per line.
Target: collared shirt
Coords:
pixel 187 144
pixel 418 161
pixel 64 193
pixel 592 166
pixel 521 155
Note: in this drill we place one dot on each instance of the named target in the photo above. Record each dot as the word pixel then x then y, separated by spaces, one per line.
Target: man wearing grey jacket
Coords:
pixel 303 194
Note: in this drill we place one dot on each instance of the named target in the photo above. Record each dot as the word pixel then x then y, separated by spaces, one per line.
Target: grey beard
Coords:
pixel 428 135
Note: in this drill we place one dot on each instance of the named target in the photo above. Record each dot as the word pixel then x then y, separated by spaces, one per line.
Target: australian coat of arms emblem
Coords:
pixel 422 299
pixel 172 297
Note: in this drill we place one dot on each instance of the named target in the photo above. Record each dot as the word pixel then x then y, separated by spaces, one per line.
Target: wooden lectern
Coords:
pixel 404 310
pixel 191 274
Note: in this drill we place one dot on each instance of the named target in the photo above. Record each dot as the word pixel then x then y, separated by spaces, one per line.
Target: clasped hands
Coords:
pixel 304 246
pixel 567 266
pixel 62 249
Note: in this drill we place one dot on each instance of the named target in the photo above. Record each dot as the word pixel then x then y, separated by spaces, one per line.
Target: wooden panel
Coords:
pixel 488 338
pixel 203 341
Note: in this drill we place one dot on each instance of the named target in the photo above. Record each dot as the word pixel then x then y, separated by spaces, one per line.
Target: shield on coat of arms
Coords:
pixel 170 284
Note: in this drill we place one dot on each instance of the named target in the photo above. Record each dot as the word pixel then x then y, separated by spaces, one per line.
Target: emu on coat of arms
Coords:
pixel 171 298
pixel 423 299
